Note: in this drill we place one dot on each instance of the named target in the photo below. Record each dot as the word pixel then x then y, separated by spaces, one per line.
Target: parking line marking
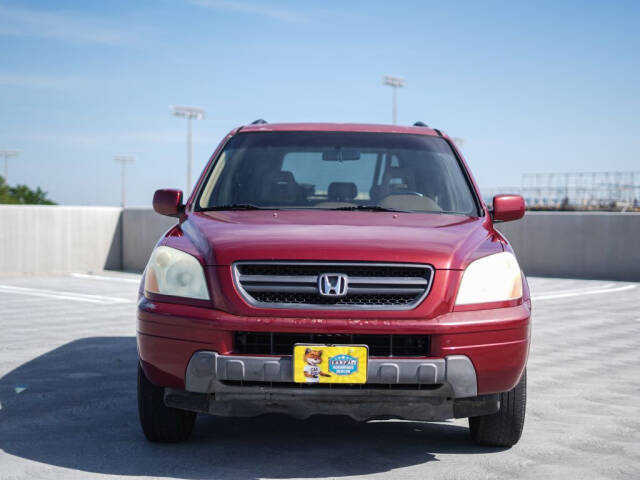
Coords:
pixel 581 293
pixel 584 289
pixel 105 277
pixel 61 295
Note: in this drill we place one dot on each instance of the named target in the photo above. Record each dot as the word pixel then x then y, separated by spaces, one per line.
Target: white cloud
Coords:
pixel 65 26
pixel 250 8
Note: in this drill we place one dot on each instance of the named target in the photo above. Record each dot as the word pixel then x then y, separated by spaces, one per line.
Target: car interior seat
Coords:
pixel 280 188
pixel 340 194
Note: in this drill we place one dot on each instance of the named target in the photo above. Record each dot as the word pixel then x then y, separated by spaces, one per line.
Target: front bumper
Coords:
pixel 241 386
pixel 495 342
pixel 209 372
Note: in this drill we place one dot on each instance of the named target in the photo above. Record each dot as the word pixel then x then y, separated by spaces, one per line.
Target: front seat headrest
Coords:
pixel 280 188
pixel 342 191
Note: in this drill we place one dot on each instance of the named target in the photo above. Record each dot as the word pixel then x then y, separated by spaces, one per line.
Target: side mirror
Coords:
pixel 168 202
pixel 507 208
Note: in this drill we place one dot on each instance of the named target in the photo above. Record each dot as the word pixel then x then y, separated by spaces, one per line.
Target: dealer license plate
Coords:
pixel 330 363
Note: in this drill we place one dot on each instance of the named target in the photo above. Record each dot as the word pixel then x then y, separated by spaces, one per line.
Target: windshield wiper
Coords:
pixel 236 206
pixel 369 208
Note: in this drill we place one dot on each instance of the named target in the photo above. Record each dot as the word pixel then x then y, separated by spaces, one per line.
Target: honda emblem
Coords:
pixel 333 284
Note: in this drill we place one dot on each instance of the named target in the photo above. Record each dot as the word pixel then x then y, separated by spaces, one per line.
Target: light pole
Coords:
pixel 188 113
pixel 124 160
pixel 7 154
pixel 395 83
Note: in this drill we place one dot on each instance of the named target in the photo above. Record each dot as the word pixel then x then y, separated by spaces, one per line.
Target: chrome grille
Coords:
pixel 382 286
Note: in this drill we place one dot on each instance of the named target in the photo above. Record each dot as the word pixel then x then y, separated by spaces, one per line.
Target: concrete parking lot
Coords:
pixel 68 402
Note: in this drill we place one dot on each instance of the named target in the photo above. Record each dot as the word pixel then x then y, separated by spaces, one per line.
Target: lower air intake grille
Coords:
pixel 329 285
pixel 259 343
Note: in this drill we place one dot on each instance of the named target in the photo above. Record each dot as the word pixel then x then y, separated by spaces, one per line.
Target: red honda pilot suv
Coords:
pixel 334 269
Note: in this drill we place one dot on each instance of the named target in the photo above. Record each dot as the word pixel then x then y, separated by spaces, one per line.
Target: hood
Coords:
pixel 444 241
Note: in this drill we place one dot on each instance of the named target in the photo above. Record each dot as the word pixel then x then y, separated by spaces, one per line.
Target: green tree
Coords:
pixel 22 195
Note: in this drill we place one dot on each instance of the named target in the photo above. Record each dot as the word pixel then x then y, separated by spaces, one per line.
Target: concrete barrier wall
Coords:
pixel 56 239
pixel 577 245
pixel 141 228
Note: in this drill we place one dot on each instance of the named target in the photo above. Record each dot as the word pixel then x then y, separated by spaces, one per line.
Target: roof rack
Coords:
pixel 259 121
pixel 420 124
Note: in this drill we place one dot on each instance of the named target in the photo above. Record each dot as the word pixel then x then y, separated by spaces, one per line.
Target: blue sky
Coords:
pixel 530 86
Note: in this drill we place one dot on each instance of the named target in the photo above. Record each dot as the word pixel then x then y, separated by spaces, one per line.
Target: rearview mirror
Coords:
pixel 340 155
pixel 168 202
pixel 507 208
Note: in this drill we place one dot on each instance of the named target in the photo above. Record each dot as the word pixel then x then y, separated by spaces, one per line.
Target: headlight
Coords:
pixel 174 272
pixel 495 278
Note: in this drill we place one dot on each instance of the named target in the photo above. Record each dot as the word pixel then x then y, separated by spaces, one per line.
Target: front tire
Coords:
pixel 504 428
pixel 159 422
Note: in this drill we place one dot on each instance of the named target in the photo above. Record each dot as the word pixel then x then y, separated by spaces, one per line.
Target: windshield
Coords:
pixel 338 170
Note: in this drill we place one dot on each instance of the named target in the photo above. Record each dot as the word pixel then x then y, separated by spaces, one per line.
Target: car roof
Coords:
pixel 338 127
